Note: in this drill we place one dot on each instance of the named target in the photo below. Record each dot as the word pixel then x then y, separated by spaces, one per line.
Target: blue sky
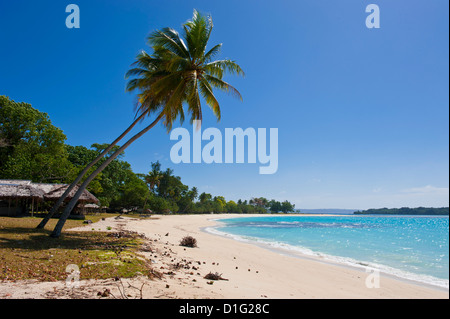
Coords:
pixel 362 114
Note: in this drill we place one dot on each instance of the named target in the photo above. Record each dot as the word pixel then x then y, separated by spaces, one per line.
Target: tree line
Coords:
pixel 406 211
pixel 32 148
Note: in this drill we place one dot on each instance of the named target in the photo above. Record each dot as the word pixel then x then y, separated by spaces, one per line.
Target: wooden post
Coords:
pixel 32 206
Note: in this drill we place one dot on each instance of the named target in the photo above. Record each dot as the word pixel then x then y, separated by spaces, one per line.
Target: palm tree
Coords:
pixel 193 193
pixel 204 197
pixel 59 202
pixel 153 178
pixel 180 71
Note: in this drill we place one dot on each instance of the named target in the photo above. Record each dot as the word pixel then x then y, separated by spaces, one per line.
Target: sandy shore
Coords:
pixel 251 271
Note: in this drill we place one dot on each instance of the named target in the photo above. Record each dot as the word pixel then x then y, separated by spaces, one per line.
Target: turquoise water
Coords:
pixel 412 247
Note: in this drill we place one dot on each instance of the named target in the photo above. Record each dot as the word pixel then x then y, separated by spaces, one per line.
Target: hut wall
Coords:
pixel 12 209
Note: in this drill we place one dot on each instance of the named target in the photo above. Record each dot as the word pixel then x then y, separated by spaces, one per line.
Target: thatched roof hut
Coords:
pixel 18 196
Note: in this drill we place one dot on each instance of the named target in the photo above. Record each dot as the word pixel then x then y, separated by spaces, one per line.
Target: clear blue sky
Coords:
pixel 362 114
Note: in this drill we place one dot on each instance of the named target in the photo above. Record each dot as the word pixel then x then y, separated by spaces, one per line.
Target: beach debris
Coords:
pixel 87 221
pixel 179 265
pixel 124 234
pixel 122 289
pixel 167 286
pixel 214 276
pixel 146 248
pixel 106 292
pixel 188 241
pixel 210 282
pixel 166 234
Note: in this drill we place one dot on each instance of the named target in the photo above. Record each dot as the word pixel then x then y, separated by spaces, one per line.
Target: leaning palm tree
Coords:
pixel 80 176
pixel 179 72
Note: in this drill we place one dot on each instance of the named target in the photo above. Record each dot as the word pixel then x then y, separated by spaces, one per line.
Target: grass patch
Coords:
pixel 30 253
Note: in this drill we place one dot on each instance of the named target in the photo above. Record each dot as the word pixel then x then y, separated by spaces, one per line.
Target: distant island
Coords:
pixel 405 211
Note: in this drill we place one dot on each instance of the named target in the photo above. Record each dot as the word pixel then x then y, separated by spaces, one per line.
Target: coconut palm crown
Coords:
pixel 181 71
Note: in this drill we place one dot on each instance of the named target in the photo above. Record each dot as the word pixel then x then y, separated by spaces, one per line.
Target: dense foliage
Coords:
pixel 32 148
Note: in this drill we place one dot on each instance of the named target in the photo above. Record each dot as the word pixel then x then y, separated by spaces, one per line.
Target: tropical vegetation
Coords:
pixel 180 71
pixel 32 148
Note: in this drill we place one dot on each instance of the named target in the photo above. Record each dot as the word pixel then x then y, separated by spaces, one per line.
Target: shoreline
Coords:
pixel 326 258
pixel 271 274
pixel 249 271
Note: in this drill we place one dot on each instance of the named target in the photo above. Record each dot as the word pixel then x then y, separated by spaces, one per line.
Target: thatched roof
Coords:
pixel 56 193
pixel 11 189
pixel 20 191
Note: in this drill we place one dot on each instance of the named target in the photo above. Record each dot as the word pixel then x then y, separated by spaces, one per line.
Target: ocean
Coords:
pixel 409 247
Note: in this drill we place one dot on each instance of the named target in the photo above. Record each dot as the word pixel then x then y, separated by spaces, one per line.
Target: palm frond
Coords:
pixel 212 53
pixel 197 33
pixel 209 97
pixel 222 85
pixel 226 65
pixel 169 39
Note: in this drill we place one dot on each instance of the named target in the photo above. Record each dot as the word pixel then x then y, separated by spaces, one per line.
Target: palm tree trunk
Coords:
pixel 58 228
pixel 80 176
pixel 145 201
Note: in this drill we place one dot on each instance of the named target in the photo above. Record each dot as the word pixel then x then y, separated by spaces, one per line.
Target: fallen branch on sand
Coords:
pixel 215 276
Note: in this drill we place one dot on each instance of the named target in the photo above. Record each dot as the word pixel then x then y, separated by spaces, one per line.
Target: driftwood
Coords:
pixel 214 276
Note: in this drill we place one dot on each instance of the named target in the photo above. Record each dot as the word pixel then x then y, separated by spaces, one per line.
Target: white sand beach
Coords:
pixel 250 271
